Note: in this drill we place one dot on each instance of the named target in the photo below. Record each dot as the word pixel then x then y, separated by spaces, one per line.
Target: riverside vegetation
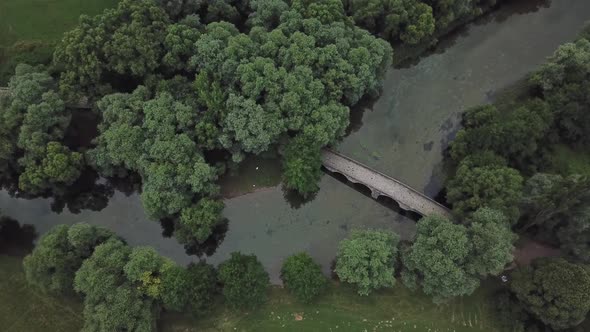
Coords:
pixel 183 90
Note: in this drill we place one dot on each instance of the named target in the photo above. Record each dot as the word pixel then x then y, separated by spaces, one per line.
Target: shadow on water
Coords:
pixel 295 199
pixel 382 200
pixel 194 248
pixel 210 245
pixel 16 240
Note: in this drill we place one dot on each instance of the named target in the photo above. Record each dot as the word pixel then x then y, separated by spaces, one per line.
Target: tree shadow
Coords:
pixel 209 246
pixel 16 239
pixel 295 199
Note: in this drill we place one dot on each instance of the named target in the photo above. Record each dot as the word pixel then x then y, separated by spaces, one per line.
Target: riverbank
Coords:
pixel 340 308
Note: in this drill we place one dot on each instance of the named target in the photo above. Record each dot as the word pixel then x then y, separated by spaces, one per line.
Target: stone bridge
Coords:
pixel 380 184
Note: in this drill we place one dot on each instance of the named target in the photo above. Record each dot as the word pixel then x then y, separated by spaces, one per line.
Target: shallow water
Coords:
pixel 403 135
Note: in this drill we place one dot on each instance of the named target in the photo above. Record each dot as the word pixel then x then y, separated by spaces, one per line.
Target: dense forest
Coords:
pixel 180 91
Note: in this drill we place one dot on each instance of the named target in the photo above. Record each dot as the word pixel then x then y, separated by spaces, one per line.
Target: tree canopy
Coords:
pixel 60 253
pixel 448 260
pixel 484 181
pixel 367 259
pixel 33 124
pixel 244 280
pixel 555 291
pixel 303 277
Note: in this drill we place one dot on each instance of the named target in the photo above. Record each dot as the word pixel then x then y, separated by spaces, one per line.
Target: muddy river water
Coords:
pixel 402 134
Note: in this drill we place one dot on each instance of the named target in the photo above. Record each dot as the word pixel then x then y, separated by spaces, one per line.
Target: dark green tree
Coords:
pixel 513 134
pixel 564 83
pixel 553 290
pixel 188 289
pixel 244 281
pixel 549 198
pixel 60 253
pixel 476 185
pixel 574 234
pixel 302 166
pixel 111 301
pixel 303 277
pixel 127 41
pixel 448 260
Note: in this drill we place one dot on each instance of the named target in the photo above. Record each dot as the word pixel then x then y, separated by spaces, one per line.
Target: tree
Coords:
pixel 476 185
pixel 127 40
pixel 513 134
pixel 303 277
pixel 188 288
pixel 574 234
pixel 34 122
pixel 555 291
pixel 153 137
pixel 111 301
pixel 409 21
pixel 302 166
pixel 367 258
pixel 448 260
pixel 59 167
pixel 563 81
pixel 547 198
pixel 60 253
pixel 244 281
pixel 267 13
pixel 198 221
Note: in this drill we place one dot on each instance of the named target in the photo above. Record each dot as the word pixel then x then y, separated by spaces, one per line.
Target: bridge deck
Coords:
pixel 381 184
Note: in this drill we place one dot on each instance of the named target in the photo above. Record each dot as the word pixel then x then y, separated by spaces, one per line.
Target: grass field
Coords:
pixel 24 309
pixel 29 29
pixel 44 20
pixel 341 309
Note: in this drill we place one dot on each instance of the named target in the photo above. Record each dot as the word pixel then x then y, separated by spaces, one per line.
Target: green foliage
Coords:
pixel 303 277
pixel 33 121
pixel 188 289
pixel 574 234
pixel 156 138
pixel 514 135
pixel 547 198
pixel 302 166
pixel 367 258
pixel 127 40
pixel 564 82
pixel 59 166
pixel 59 254
pixel 244 281
pixel 555 291
pixel 267 13
pixel 407 21
pixel 111 301
pixel 124 288
pixel 29 52
pixel 477 185
pixel 198 221
pixel 448 260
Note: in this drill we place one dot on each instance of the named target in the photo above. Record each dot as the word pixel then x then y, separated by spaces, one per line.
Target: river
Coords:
pixel 403 135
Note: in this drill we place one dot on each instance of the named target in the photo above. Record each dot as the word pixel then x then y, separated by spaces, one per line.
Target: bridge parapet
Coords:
pixel 382 185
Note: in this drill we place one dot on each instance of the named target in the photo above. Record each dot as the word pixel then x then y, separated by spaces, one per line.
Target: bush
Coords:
pixel 244 281
pixel 367 258
pixel 303 277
